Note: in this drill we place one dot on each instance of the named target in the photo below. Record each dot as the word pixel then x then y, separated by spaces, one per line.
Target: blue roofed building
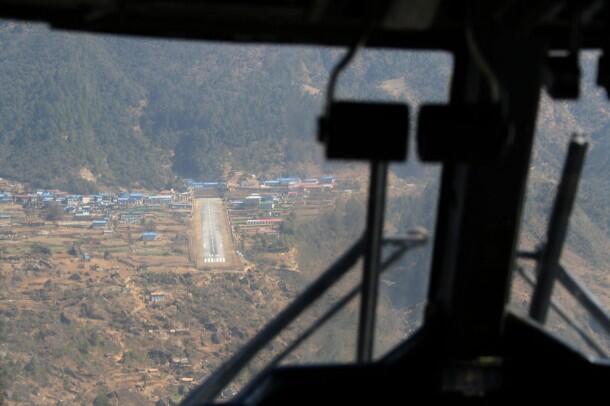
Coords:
pixel 289 181
pixel 6 197
pixel 136 197
pixel 98 224
pixel 149 236
pixel 271 183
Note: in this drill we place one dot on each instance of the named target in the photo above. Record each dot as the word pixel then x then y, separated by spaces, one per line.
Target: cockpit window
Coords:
pixel 161 201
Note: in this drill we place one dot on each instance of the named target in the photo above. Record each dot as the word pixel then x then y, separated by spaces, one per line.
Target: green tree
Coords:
pixel 101 400
pixel 54 212
pixel 40 249
pixel 149 225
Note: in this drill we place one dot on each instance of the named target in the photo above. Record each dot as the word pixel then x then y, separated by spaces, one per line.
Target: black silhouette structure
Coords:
pixel 470 350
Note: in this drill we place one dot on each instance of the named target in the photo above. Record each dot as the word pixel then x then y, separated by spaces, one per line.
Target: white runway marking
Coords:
pixel 214 260
pixel 211 235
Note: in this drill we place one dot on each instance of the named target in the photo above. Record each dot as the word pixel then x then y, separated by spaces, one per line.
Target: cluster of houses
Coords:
pixel 262 208
pixel 193 184
pixel 255 201
pixel 95 210
pixel 81 204
pixel 292 182
pixel 269 192
pixel 258 207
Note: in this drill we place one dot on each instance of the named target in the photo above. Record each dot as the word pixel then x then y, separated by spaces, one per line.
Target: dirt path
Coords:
pixel 119 339
pixel 136 292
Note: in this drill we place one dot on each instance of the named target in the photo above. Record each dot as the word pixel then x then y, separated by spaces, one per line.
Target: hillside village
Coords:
pixel 105 299
pixel 115 275
pixel 253 207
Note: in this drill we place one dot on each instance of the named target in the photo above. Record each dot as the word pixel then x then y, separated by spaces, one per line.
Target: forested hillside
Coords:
pixel 83 111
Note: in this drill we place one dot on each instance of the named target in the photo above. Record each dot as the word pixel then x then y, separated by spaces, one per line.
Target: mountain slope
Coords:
pixel 138 112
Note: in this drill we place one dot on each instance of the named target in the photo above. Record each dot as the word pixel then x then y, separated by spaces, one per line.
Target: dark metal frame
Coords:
pixel 320 22
pixel 480 206
pixel 372 261
pixel 480 203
